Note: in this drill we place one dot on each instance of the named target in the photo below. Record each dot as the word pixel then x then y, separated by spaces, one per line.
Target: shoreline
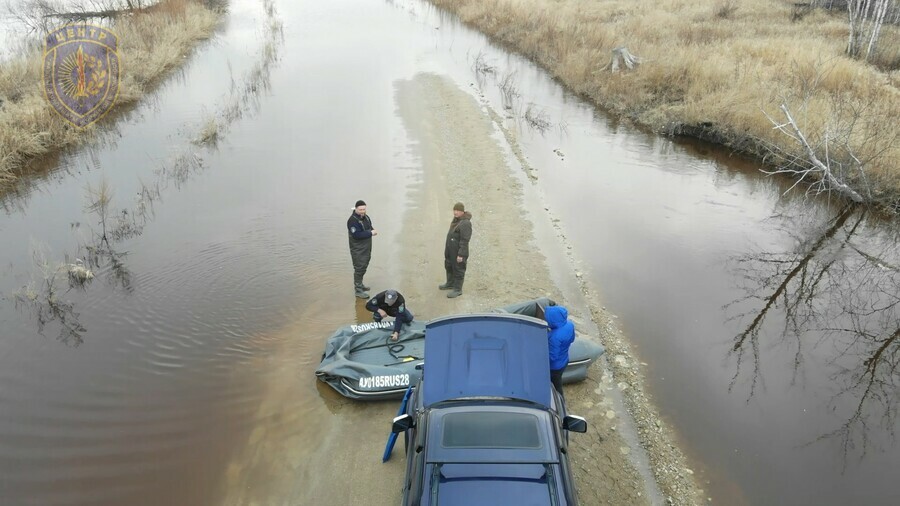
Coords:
pixel 152 43
pixel 717 78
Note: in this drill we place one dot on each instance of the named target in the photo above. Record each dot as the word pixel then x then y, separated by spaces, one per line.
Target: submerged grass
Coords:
pixel 151 43
pixel 713 68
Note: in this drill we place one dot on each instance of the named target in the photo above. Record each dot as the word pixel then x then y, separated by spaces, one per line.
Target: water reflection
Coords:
pixel 832 294
pixel 99 245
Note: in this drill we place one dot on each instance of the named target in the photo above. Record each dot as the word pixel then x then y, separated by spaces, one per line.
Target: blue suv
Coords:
pixel 484 425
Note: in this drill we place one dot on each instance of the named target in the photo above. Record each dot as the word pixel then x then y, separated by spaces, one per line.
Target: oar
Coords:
pixel 389 447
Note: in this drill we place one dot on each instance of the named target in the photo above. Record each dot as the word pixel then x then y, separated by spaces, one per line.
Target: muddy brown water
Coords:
pixel 765 320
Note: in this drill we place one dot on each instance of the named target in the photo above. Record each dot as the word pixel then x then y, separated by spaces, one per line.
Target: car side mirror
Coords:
pixel 571 423
pixel 402 423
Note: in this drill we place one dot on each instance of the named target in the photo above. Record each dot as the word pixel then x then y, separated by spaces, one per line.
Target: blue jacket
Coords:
pixel 561 336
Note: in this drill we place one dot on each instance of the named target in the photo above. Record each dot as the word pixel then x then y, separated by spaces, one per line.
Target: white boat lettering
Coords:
pixel 362 327
pixel 393 380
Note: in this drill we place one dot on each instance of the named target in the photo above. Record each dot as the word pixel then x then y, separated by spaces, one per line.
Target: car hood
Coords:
pixel 486 355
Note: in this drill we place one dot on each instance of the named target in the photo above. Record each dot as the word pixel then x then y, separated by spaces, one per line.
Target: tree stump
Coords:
pixel 622 53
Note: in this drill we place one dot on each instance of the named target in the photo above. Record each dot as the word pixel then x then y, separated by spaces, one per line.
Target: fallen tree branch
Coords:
pixel 817 167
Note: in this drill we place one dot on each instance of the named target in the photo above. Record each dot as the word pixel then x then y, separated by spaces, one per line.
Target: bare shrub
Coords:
pixel 481 66
pixel 537 118
pixel 209 132
pixel 725 9
pixel 800 10
pixel 43 296
pixel 508 90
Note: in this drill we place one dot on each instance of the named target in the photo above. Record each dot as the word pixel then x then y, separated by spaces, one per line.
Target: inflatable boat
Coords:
pixel 361 362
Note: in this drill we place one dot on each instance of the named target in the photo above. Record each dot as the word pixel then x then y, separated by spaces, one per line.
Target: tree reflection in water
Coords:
pixel 838 293
pixel 43 297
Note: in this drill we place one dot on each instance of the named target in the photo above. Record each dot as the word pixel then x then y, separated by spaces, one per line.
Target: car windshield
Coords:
pixel 490 430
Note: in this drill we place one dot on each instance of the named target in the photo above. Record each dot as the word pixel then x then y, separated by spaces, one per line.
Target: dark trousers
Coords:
pixel 399 320
pixel 360 254
pixel 556 379
pixel 456 272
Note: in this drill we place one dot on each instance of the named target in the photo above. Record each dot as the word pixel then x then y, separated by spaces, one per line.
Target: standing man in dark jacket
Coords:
pixel 456 250
pixel 360 230
pixel 390 303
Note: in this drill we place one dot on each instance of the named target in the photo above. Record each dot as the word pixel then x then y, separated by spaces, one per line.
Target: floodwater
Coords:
pixel 768 323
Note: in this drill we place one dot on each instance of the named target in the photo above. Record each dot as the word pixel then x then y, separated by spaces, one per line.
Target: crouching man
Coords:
pixel 390 303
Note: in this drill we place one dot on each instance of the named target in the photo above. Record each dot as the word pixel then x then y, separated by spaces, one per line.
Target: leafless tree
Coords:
pixel 866 18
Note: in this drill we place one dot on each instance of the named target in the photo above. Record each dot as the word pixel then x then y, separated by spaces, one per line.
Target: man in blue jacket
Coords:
pixel 360 231
pixel 560 338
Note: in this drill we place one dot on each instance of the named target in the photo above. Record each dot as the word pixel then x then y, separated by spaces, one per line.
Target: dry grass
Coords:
pixel 711 67
pixel 152 43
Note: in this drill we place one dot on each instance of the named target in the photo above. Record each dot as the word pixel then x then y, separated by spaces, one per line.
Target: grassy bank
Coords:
pixel 711 68
pixel 151 43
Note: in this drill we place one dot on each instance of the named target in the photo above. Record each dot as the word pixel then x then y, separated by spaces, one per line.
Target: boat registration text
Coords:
pixel 394 380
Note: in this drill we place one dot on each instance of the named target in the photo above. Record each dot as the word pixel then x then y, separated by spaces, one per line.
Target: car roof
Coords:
pixel 490 433
pixel 486 355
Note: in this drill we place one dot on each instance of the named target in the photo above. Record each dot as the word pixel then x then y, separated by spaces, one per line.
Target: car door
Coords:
pixel 415 462
pixel 567 484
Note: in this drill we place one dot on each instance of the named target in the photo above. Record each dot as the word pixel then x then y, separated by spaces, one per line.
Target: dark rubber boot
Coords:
pixel 454 294
pixel 362 294
pixel 445 286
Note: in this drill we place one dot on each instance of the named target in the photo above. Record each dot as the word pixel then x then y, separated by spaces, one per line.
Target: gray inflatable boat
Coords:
pixel 361 362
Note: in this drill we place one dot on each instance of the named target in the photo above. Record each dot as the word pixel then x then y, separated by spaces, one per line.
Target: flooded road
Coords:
pixel 186 365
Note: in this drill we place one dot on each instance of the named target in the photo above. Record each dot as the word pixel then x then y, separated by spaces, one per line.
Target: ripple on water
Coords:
pixel 146 395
